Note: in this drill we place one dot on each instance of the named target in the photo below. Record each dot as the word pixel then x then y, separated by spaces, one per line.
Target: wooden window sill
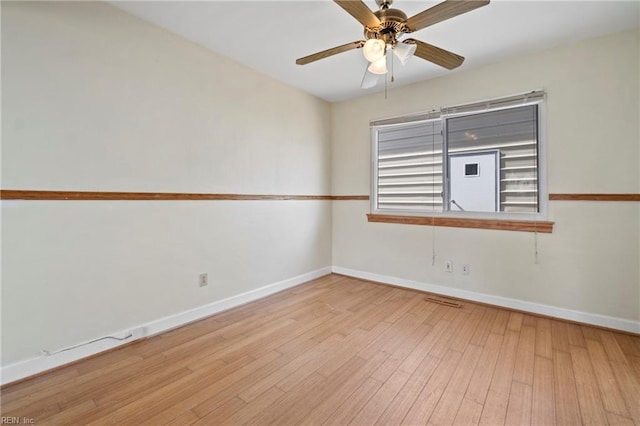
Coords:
pixel 496 224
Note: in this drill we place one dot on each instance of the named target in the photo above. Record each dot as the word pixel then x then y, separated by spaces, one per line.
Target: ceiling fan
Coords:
pixel 384 28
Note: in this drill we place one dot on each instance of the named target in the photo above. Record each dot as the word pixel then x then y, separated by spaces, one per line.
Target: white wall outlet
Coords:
pixel 448 266
pixel 465 269
pixel 203 279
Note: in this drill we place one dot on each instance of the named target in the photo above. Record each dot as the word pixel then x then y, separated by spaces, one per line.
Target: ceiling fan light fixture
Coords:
pixel 374 49
pixel 379 66
pixel 404 51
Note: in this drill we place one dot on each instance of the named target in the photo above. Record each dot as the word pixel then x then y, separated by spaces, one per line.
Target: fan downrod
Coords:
pixel 384 4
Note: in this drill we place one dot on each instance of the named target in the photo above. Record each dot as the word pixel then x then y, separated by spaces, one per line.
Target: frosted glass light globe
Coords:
pixel 373 49
pixel 379 66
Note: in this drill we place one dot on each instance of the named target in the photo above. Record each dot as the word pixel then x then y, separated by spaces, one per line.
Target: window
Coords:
pixel 479 160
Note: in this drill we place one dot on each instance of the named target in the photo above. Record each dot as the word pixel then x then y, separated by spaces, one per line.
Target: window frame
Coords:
pixel 443 115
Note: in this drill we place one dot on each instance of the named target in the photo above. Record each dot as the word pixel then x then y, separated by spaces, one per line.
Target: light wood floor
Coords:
pixel 339 350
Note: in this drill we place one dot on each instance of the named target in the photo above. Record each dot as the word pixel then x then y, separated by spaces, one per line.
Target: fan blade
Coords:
pixel 443 11
pixel 434 54
pixel 360 11
pixel 330 52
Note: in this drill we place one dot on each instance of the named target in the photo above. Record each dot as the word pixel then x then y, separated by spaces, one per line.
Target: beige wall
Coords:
pixel 94 99
pixel 590 262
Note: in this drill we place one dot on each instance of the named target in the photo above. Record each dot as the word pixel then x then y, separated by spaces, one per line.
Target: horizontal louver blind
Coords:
pixel 513 132
pixel 409 164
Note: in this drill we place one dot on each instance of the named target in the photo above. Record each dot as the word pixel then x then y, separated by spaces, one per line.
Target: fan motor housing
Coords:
pixel 393 22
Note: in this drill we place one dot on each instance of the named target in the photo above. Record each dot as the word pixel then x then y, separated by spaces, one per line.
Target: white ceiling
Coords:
pixel 269 36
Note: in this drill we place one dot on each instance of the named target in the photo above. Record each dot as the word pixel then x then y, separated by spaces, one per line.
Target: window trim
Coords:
pixel 537 226
pixel 537 97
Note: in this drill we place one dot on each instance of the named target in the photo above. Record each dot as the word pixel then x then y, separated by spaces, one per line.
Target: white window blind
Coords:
pixel 409 165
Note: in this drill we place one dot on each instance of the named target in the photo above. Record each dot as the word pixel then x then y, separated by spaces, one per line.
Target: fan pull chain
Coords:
pixel 385 77
pixel 385 89
pixel 393 78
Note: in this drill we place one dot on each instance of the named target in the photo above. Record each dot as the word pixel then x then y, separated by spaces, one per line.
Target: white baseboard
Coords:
pixel 39 364
pixel 520 305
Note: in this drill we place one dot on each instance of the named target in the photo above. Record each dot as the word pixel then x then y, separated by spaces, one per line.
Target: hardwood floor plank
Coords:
pixel 85 384
pixel 295 364
pixel 575 335
pixel 328 365
pixel 438 314
pixel 457 321
pixel 422 349
pixel 272 340
pixel 222 413
pixel 515 321
pixel 559 336
pixel 463 336
pixel 544 344
pixel 500 322
pixel 76 411
pixel 406 397
pixel 630 345
pixel 529 320
pixel 100 385
pixel 519 406
pixel 340 350
pixel 630 387
pixel 186 418
pixel 342 323
pixel 382 311
pixel 428 398
pixel 609 389
pixel 400 353
pixel 293 404
pixel 591 407
pixel 610 344
pixel 634 363
pixel 379 402
pixel 495 405
pixel 345 379
pixel 338 389
pixel 131 391
pixel 411 303
pixel 254 408
pixel 590 332
pixel 345 412
pixel 543 398
pixel 193 393
pixel 615 419
pixel 566 396
pixel 481 379
pixel 469 413
pixel 448 405
pixel 39 385
pixel 524 368
pixel 234 383
pixel 484 326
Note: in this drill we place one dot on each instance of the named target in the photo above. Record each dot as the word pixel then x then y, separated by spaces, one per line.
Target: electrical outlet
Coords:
pixel 203 279
pixel 465 269
pixel 448 266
